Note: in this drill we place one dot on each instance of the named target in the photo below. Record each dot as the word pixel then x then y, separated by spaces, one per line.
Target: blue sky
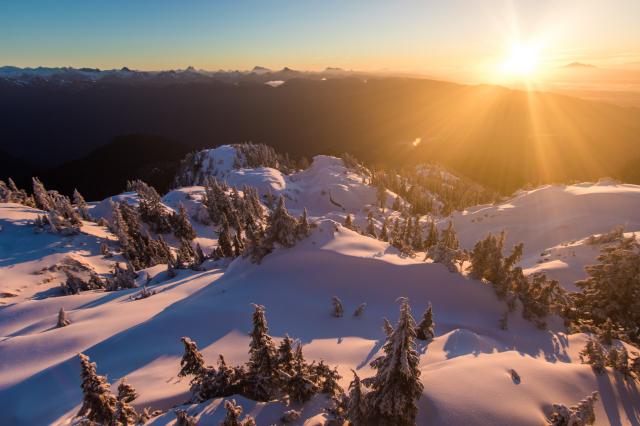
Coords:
pixel 400 35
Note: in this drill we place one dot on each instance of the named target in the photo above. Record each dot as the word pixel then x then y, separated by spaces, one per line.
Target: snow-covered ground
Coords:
pixel 465 369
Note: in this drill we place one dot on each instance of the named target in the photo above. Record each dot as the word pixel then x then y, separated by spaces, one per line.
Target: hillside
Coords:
pixel 466 369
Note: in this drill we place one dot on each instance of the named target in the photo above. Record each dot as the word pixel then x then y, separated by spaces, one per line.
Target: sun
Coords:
pixel 522 61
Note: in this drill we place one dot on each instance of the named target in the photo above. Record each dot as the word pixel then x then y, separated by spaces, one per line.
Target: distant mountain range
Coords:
pixel 65 76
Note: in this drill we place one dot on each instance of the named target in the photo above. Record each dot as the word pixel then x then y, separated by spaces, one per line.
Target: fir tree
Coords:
pixel 281 226
pixel 192 363
pixel 357 408
pixel 387 327
pixel 225 240
pixel 396 387
pixel 384 233
pixel 371 228
pixel 63 321
pixel 125 413
pixel 360 310
pixel 432 236
pixel 285 355
pixel 449 237
pixel 98 404
pixel 184 419
pixel 304 229
pixel 262 366
pixel 41 196
pixel 81 205
pixel 581 414
pixel 234 412
pixel 186 256
pixel 150 206
pixel 426 329
pixel 181 225
pixel 298 385
pixel 327 379
pixel 594 354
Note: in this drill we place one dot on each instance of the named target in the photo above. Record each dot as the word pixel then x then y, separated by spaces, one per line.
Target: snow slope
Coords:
pixel 554 222
pixel 464 370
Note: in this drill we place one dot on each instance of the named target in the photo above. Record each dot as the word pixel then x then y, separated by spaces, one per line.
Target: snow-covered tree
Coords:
pixel 181 225
pixel 98 404
pixel 359 310
pixel 426 329
pixel 338 311
pixel 263 363
pixel 396 387
pixel 371 228
pixel 281 226
pixel 299 385
pixel 41 196
pixel 232 418
pixel 184 419
pixel 81 205
pixel 384 233
pixel 348 222
pixel 387 327
pixel 225 239
pixel 122 278
pixel 125 413
pixel 285 355
pixel 185 257
pixel 63 321
pixel 304 229
pixel 612 289
pixel 326 379
pixel 357 412
pixel 152 212
pixel 192 363
pixel 595 355
pixel 432 235
pixel 581 414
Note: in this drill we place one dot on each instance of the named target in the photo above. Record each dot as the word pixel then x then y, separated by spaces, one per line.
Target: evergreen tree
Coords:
pixel 234 412
pixel 184 419
pixel 281 226
pixel 426 329
pixel 298 385
pixel 396 387
pixel 63 321
pixel 326 379
pixel 581 414
pixel 594 354
pixel 41 196
pixel 186 256
pixel 397 204
pixel 98 404
pixel 432 236
pixel 125 413
pixel 225 240
pixel 285 355
pixel 357 408
pixel 81 205
pixel 371 228
pixel 152 211
pixel 181 225
pixel 262 366
pixel 360 310
pixel 192 363
pixel 304 229
pixel 384 233
pixel 449 237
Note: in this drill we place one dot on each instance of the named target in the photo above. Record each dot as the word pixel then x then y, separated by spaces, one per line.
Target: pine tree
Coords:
pixel 371 228
pixel 184 419
pixel 125 413
pixel 63 321
pixel 98 404
pixel 304 229
pixel 356 408
pixel 150 206
pixel 181 225
pixel 581 414
pixel 326 379
pixel 41 196
pixel 360 310
pixel 81 205
pixel 281 226
pixel 338 311
pixel 396 387
pixel 298 385
pixel 262 366
pixel 432 236
pixel 285 355
pixel 192 363
pixel 449 237
pixel 426 329
pixel 594 354
pixel 234 412
pixel 384 233
pixel 186 256
pixel 225 240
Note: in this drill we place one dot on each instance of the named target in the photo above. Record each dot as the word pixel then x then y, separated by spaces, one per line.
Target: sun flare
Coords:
pixel 521 62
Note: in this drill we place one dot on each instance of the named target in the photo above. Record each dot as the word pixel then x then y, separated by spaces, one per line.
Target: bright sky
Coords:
pixel 472 38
